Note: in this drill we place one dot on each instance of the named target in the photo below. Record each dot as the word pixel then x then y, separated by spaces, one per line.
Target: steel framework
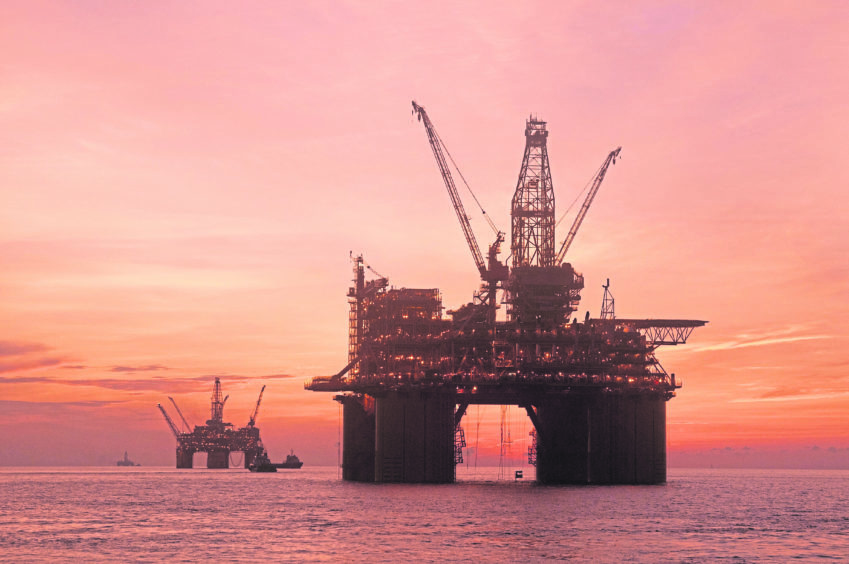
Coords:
pixel 594 390
pixel 217 438
pixel 533 202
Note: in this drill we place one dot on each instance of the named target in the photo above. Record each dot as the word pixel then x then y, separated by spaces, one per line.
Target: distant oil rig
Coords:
pixel 595 391
pixel 126 461
pixel 217 438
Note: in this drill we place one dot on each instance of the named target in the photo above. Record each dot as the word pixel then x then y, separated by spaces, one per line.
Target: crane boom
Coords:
pixel 168 419
pixel 180 413
pixel 252 420
pixel 436 145
pixel 611 159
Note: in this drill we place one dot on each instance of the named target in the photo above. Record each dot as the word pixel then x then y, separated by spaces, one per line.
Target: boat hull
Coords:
pixel 262 468
pixel 289 465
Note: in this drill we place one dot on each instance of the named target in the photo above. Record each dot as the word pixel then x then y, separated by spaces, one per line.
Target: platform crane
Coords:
pixel 436 146
pixel 611 159
pixel 180 413
pixel 492 271
pixel 252 420
pixel 170 422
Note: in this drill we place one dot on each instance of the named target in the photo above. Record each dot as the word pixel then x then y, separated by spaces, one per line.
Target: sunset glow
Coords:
pixel 181 185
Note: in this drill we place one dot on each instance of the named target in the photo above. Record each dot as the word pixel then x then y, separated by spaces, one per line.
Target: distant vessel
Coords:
pixel 262 464
pixel 126 461
pixel 292 461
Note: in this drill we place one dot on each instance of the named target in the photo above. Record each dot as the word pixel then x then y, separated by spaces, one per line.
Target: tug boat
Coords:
pixel 262 464
pixel 292 461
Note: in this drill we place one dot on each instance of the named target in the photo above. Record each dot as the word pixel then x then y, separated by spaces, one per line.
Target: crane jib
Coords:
pixel 437 145
pixel 611 159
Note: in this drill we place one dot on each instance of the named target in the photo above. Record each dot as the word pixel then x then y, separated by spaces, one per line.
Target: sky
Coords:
pixel 181 184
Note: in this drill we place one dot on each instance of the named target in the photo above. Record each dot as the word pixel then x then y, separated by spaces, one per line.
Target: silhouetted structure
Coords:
pixel 217 438
pixel 126 461
pixel 595 391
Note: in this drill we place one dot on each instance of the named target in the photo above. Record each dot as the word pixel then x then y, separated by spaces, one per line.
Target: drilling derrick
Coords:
pixel 533 202
pixel 594 391
pixel 541 293
pixel 217 405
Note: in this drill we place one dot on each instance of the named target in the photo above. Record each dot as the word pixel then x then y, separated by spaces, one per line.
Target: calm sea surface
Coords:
pixel 155 514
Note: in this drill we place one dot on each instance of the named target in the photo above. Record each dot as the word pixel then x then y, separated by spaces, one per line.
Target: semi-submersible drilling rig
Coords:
pixel 594 390
pixel 218 439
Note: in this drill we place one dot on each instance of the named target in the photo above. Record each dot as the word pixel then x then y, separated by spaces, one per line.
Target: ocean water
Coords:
pixel 164 514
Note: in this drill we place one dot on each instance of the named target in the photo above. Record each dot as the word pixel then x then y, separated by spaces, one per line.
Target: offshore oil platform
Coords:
pixel 594 390
pixel 217 438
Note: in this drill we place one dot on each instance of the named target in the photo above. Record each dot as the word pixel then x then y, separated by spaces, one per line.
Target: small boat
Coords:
pixel 262 464
pixel 292 461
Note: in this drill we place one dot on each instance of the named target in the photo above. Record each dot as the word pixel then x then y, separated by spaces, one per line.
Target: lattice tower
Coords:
pixel 217 410
pixel 532 241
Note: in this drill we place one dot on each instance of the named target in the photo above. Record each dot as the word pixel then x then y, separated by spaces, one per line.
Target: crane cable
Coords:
pixel 469 188
pixel 376 273
pixel 581 193
pixel 477 438
pixel 339 442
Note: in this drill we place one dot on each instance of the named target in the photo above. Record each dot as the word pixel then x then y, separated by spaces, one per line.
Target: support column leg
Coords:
pixel 414 438
pixel 624 440
pixel 357 438
pixel 600 439
pixel 659 409
pixel 185 458
pixel 644 452
pixel 563 445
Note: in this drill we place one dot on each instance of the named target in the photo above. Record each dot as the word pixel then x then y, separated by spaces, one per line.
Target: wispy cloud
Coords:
pixel 17 348
pixel 762 342
pixel 16 365
pixel 16 356
pixel 8 405
pixel 145 368
pixel 18 411
pixel 779 396
pixel 180 384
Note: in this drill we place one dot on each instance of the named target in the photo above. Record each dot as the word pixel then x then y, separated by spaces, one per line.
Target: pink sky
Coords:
pixel 181 184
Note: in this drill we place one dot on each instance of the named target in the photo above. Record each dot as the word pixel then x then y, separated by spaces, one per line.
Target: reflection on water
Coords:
pixel 154 514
